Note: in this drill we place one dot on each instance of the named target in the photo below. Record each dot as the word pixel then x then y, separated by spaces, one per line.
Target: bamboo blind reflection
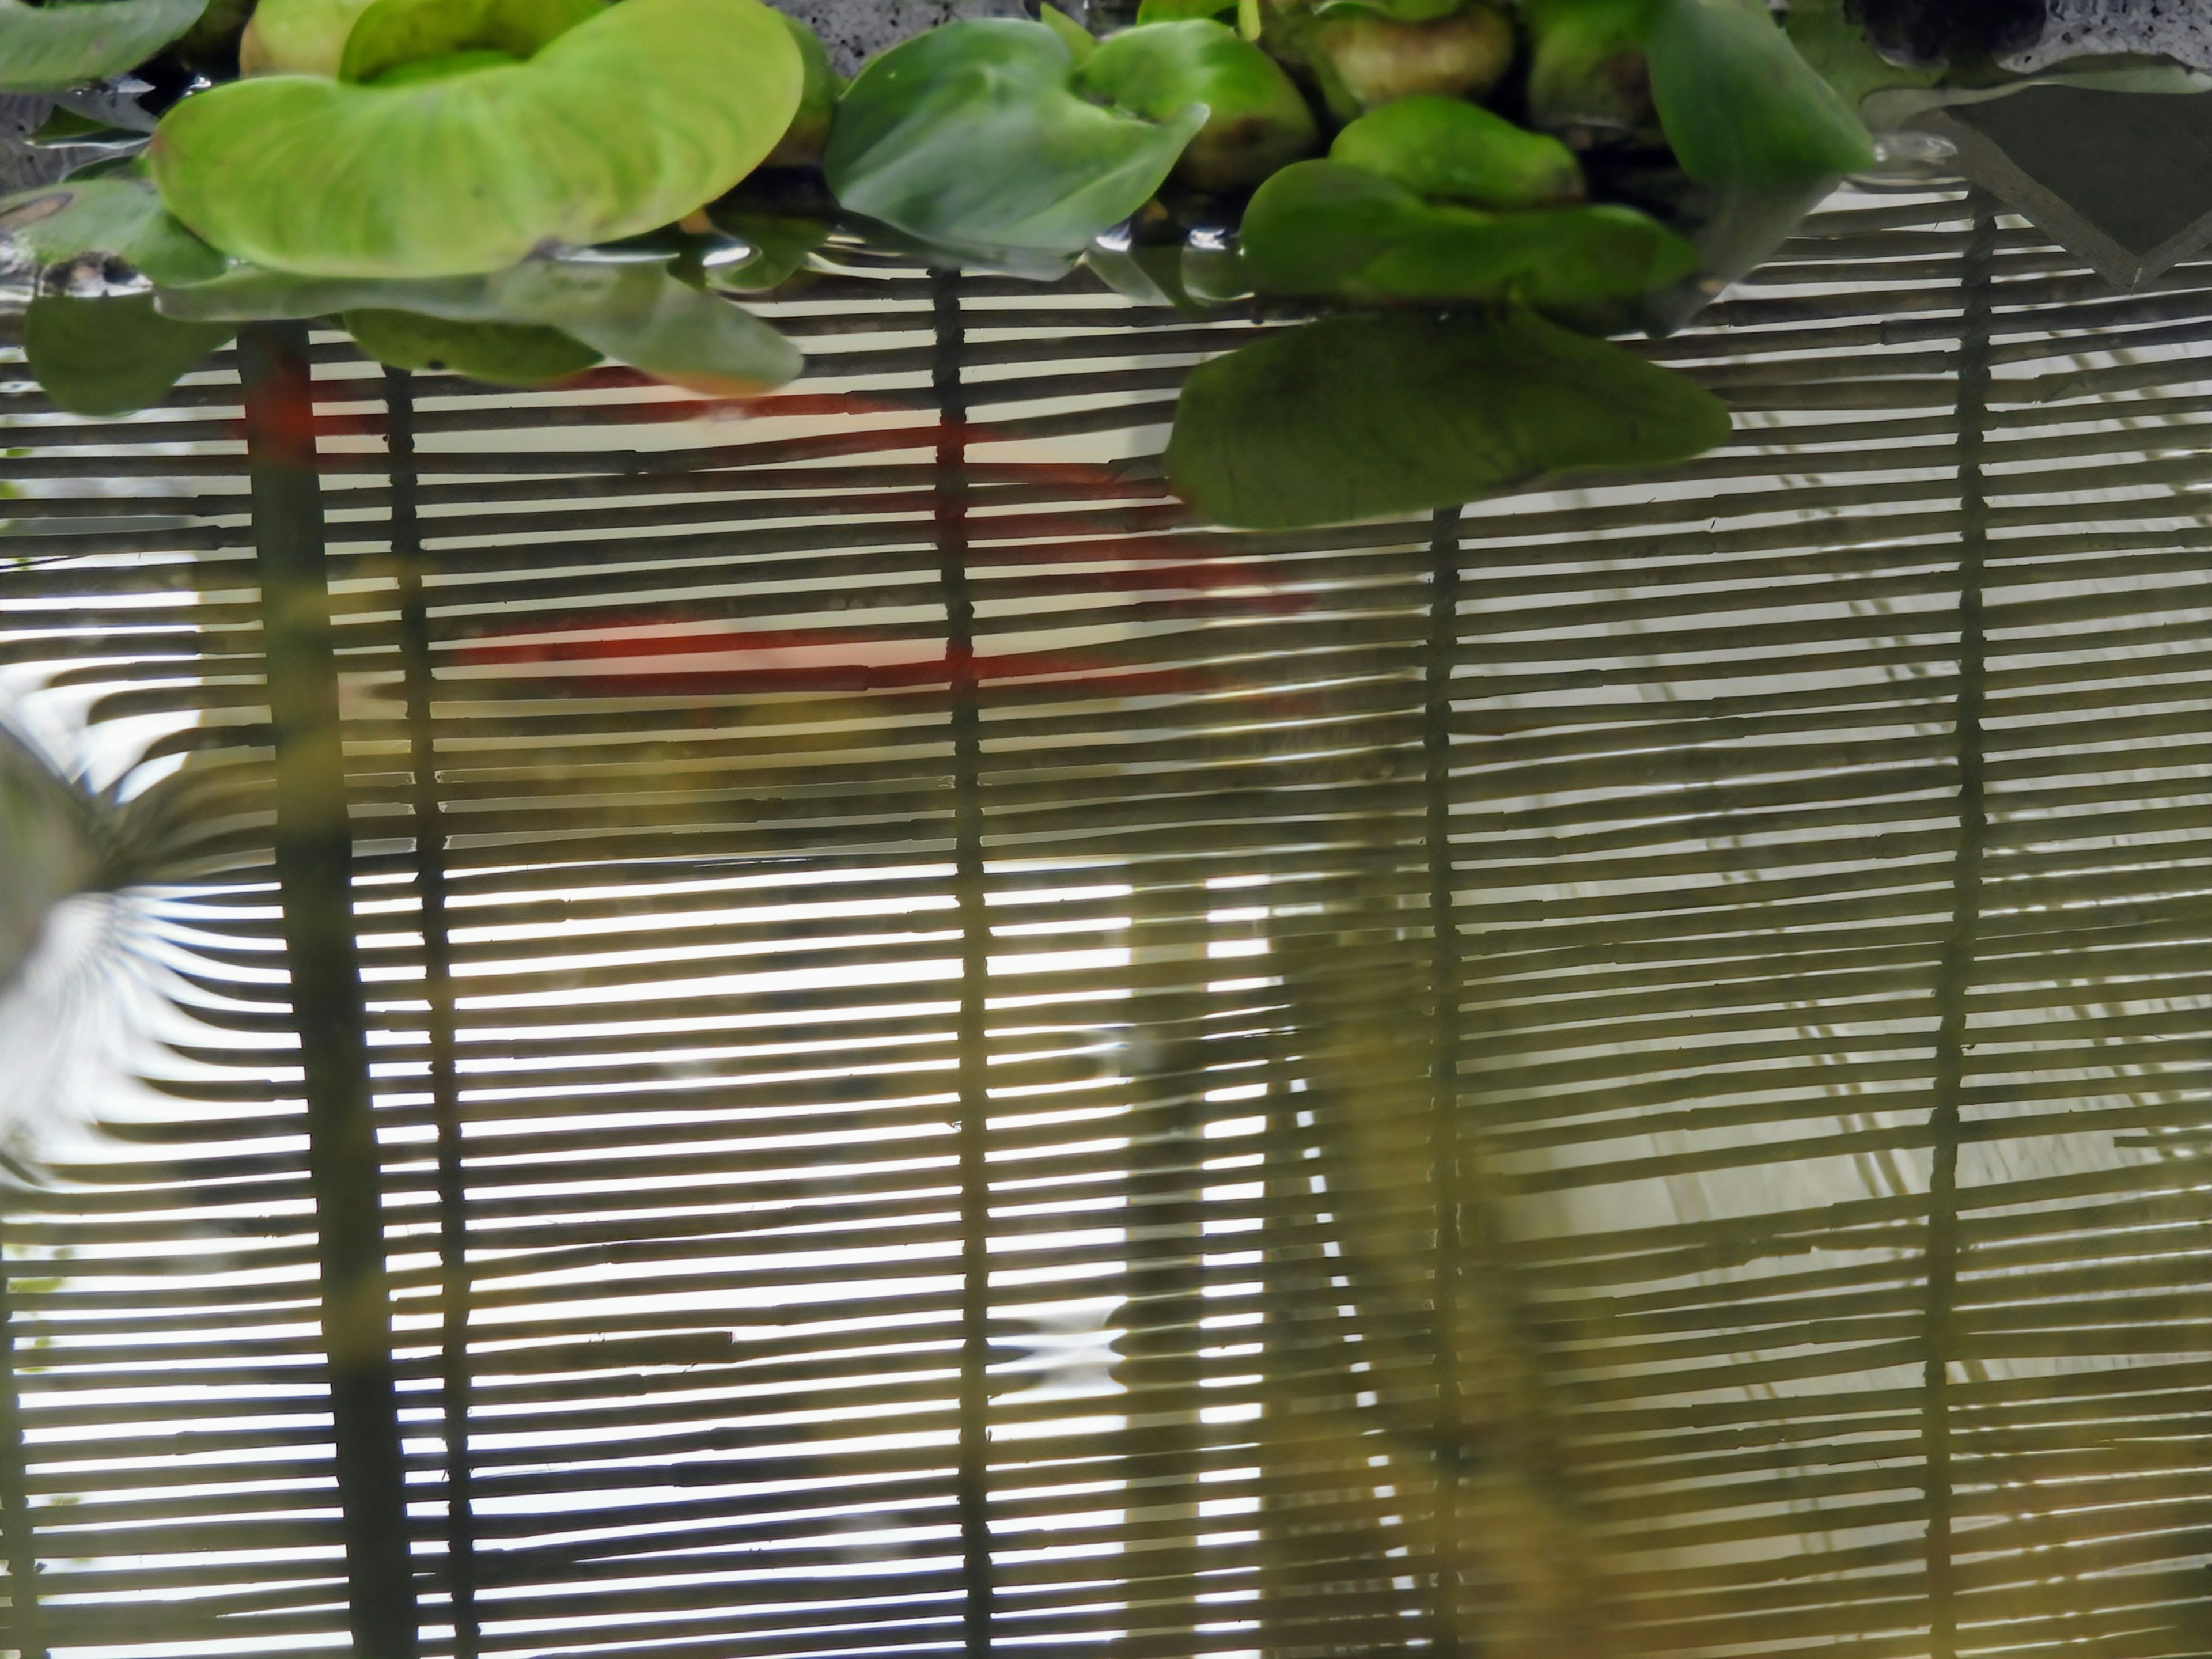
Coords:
pixel 963 1066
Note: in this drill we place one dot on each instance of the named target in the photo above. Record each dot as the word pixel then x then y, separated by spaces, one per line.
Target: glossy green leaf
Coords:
pixel 498 354
pixel 1079 40
pixel 392 33
pixel 631 120
pixel 111 356
pixel 972 137
pixel 1741 107
pixel 637 313
pixel 1324 228
pixel 53 47
pixel 1359 418
pixel 780 243
pixel 1830 40
pixel 1445 149
pixel 1257 121
pixel 121 217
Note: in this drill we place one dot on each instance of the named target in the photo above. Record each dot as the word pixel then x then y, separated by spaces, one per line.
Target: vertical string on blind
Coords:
pixel 972 1041
pixel 1955 969
pixel 18 1538
pixel 314 857
pixel 1444 1063
pixel 456 1384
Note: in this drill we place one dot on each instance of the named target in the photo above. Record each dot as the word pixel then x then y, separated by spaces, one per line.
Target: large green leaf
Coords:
pixel 1739 105
pixel 972 136
pixel 121 216
pixel 633 120
pixel 499 354
pixel 51 48
pixel 1357 418
pixel 111 356
pixel 1324 228
pixel 637 313
pixel 298 37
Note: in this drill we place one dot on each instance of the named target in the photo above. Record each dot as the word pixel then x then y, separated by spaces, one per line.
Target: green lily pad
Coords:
pixel 120 216
pixel 1324 228
pixel 111 356
pixel 54 47
pixel 974 137
pixel 1361 417
pixel 1257 121
pixel 1741 107
pixel 498 354
pixel 635 313
pixel 643 114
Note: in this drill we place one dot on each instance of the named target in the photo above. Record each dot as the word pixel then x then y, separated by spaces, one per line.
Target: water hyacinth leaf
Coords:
pixel 498 354
pixel 392 33
pixel 298 37
pixel 1446 149
pixel 120 217
pixel 1565 257
pixel 1257 121
pixel 1360 417
pixel 1314 226
pixel 1362 61
pixel 1739 105
pixel 631 120
pixel 637 313
pixel 1587 71
pixel 1079 40
pixel 53 47
pixel 111 356
pixel 779 243
pixel 972 136
pixel 1324 228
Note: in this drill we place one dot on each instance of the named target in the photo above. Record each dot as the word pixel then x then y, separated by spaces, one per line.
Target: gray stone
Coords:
pixel 856 30
pixel 22 166
pixel 2180 29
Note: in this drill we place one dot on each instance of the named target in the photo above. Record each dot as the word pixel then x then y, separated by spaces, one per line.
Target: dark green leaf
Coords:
pixel 1740 106
pixel 972 136
pixel 1359 418
pixel 1174 11
pixel 499 354
pixel 111 356
pixel 50 48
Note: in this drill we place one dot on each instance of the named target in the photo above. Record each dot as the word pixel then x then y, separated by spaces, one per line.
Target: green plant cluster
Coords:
pixel 1446 203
